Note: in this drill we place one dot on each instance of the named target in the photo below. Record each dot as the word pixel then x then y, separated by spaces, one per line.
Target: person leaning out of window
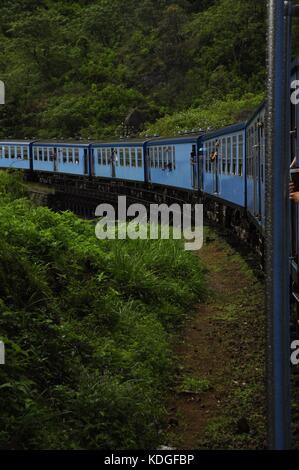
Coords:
pixel 294 193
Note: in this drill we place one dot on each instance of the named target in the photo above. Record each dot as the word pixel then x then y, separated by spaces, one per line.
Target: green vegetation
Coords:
pixel 195 385
pixel 218 114
pixel 77 68
pixel 88 327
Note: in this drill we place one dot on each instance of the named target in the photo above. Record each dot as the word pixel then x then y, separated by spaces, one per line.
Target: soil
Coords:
pixel 222 344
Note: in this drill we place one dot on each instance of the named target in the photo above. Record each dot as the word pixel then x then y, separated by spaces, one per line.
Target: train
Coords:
pixel 239 172
pixel 223 168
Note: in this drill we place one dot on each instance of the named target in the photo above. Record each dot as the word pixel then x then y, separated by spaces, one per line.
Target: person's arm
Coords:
pixel 214 156
pixel 294 195
pixel 294 163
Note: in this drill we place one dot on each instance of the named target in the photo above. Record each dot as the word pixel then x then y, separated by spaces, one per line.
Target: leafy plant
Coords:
pixel 87 326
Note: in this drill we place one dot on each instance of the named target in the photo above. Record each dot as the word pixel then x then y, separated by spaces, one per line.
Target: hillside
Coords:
pixel 88 328
pixel 77 68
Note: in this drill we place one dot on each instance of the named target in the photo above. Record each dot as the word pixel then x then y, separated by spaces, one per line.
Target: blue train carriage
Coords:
pixel 174 161
pixel 15 154
pixel 61 157
pixel 124 159
pixel 255 166
pixel 223 163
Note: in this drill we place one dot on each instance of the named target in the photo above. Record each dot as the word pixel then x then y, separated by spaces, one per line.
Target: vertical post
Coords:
pixel 277 228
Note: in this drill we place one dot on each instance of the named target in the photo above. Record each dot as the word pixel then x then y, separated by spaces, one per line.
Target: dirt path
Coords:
pixel 218 401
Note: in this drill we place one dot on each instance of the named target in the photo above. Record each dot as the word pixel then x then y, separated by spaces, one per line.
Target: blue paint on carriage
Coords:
pixel 15 154
pixel 170 161
pixel 123 160
pixel 255 165
pixel 61 157
pixel 220 178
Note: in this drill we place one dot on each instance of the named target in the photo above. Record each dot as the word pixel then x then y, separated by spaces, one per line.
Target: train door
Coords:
pixel 55 160
pixel 257 169
pixel 113 159
pixel 149 159
pixel 215 167
pixel 92 170
pixel 194 167
pixel 201 163
pixel 85 159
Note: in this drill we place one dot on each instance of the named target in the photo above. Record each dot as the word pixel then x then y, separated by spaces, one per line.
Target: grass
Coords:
pixel 88 327
pixel 241 386
pixel 195 385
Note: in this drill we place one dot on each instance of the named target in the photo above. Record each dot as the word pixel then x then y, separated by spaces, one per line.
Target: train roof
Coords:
pixel 61 142
pixel 15 141
pixel 225 130
pixel 186 138
pixel 85 143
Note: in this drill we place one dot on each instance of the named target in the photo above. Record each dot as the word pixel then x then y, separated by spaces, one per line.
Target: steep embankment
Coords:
pixel 87 327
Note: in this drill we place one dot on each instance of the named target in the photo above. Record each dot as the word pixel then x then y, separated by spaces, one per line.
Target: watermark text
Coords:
pixel 159 222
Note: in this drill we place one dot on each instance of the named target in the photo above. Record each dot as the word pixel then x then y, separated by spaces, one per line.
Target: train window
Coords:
pixel 12 152
pixel 250 153
pixel 98 153
pixel 121 157
pixel 164 157
pixel 64 154
pixel 51 154
pixel 235 162
pixel 228 155
pixel 1 152
pixel 151 157
pixel 249 150
pixel 108 156
pixel 241 154
pixel 46 151
pixel 6 152
pixel 223 155
pixel 207 156
pixel 104 156
pixel 160 157
pixel 140 157
pixel 155 150
pixel 262 128
pixel 127 157
pixel 170 159
pixel 19 153
pixel 133 157
pixel 77 159
pixel 116 158
pixel 71 155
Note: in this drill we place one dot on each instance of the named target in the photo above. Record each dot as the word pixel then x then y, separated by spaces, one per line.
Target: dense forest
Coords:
pixel 78 68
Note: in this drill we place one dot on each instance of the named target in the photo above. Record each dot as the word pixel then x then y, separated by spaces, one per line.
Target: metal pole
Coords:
pixel 277 230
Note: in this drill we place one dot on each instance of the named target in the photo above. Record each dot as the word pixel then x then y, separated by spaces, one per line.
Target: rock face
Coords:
pixel 134 121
